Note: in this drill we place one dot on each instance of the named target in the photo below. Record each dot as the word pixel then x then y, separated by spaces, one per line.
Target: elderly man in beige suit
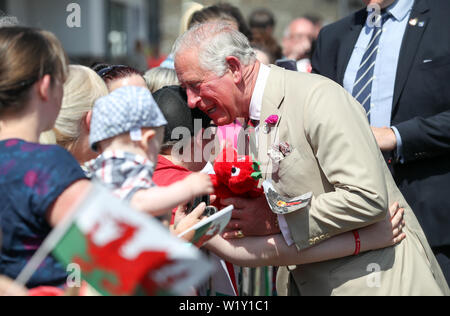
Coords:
pixel 318 141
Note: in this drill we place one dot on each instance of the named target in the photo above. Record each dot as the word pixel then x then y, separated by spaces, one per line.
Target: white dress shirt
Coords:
pixel 385 73
pixel 255 114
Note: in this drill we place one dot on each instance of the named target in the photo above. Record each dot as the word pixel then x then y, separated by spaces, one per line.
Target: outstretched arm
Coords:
pixel 273 250
pixel 159 200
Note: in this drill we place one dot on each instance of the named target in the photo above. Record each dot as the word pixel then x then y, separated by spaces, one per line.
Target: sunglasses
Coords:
pixel 105 71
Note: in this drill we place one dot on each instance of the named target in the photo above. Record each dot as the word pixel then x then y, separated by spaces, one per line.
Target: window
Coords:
pixel 117 35
pixel 2 6
pixel 154 8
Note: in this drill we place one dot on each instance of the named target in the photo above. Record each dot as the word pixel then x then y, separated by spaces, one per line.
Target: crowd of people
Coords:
pixel 359 122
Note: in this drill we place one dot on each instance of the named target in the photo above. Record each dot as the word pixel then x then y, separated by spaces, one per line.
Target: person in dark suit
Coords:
pixel 396 63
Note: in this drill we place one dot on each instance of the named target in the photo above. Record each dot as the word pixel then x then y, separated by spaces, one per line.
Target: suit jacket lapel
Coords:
pixel 410 45
pixel 273 98
pixel 348 43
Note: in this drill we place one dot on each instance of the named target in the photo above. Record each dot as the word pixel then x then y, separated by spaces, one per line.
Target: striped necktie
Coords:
pixel 362 89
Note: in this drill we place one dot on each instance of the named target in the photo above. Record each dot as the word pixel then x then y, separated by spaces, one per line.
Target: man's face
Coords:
pixel 216 96
pixel 297 45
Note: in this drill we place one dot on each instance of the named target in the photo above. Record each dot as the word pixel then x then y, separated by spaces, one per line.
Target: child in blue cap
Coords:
pixel 127 129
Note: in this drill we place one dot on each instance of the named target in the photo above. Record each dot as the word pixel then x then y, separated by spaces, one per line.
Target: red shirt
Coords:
pixel 167 173
pixel 153 62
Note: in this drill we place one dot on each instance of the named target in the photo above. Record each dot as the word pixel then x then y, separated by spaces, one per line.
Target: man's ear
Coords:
pixel 44 86
pixel 235 67
pixel 147 136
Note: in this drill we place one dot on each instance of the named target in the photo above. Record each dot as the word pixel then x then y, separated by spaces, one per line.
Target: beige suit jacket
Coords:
pixel 335 156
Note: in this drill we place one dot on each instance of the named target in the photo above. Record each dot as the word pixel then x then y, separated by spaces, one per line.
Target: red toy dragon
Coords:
pixel 236 176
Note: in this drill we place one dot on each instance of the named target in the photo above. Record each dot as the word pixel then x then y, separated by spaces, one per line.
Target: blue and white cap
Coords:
pixel 127 109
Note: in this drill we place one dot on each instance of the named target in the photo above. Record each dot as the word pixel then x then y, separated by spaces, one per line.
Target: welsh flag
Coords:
pixel 124 252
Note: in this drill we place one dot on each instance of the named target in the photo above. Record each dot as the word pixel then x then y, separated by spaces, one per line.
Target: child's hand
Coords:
pixel 185 221
pixel 385 233
pixel 199 184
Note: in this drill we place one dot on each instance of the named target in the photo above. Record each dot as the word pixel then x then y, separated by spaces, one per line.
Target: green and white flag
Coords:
pixel 124 252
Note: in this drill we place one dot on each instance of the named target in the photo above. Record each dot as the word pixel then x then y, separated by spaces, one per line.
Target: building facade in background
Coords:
pixel 284 10
pixel 110 29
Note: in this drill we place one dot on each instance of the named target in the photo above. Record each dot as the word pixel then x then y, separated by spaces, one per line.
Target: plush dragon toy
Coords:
pixel 236 176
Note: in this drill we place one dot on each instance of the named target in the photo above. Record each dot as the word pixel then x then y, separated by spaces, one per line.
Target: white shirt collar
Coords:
pixel 401 9
pixel 258 92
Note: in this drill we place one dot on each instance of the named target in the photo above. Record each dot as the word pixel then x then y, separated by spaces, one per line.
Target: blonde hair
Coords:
pixel 82 88
pixel 160 77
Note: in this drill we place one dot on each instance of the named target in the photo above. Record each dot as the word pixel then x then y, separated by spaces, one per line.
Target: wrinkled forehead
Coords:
pixel 187 66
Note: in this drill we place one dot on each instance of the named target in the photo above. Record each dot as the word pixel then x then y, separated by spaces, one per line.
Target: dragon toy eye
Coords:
pixel 235 171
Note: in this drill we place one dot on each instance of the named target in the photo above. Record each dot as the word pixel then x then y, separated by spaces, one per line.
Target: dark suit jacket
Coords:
pixel 421 106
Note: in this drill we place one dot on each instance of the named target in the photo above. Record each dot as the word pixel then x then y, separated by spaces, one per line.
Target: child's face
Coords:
pixel 154 144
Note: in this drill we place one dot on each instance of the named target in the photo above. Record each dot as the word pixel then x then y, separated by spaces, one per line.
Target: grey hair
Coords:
pixel 215 41
pixel 6 20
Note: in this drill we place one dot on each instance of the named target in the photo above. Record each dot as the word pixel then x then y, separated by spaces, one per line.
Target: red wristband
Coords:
pixel 357 243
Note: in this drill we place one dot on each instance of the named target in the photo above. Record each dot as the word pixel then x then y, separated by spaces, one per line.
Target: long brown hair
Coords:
pixel 26 55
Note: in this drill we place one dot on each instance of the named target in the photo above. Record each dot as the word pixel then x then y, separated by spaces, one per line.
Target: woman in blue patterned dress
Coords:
pixel 38 184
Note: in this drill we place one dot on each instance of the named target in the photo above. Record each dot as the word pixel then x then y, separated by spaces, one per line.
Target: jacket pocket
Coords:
pixel 435 62
pixel 294 174
pixel 433 77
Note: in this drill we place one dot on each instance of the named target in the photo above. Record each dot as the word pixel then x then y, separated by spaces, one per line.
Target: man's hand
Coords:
pixel 251 217
pixel 385 137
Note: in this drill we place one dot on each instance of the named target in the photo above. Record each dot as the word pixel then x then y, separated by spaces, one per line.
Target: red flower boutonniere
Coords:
pixel 270 122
